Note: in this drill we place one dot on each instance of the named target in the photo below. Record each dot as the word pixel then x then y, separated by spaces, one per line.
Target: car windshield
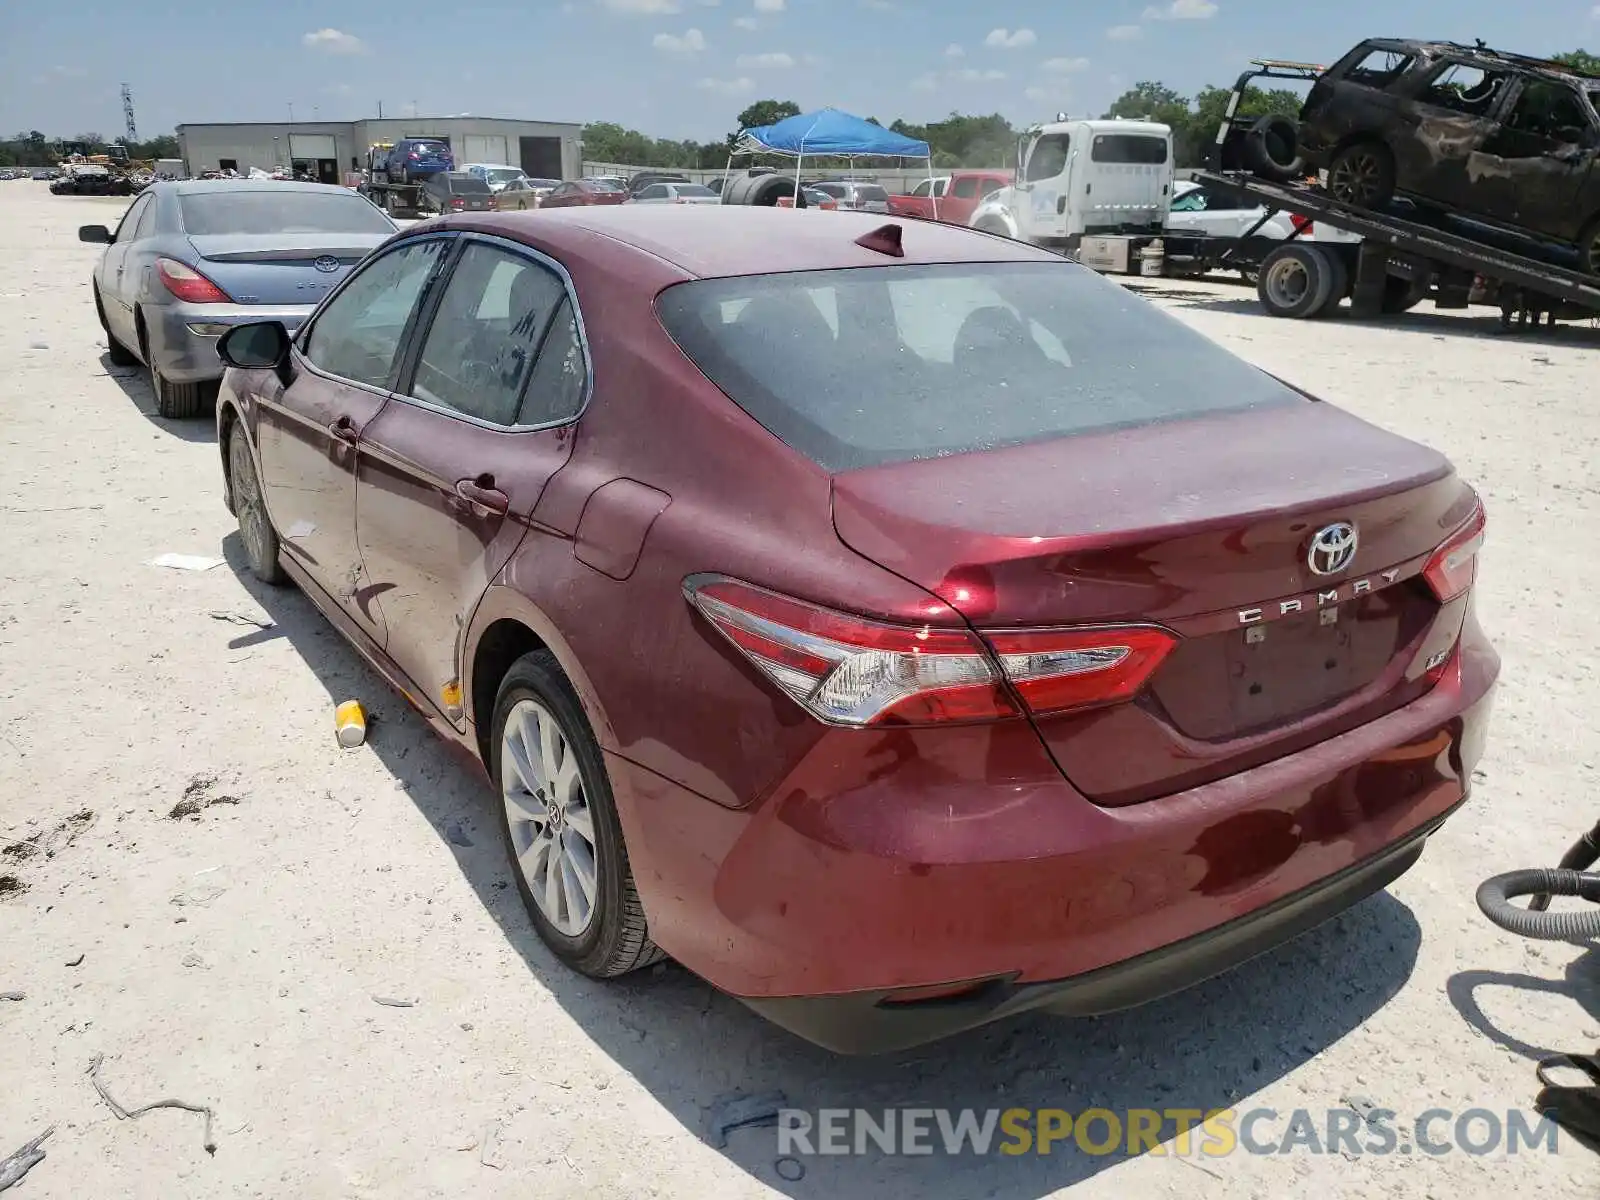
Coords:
pixel 503 174
pixel 693 189
pixel 280 210
pixel 544 183
pixel 601 185
pixel 857 368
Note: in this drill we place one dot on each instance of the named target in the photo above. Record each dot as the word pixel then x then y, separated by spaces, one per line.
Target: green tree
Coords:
pixel 765 112
pixel 1580 60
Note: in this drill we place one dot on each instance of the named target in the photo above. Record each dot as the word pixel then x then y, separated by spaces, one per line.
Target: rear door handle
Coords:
pixel 344 429
pixel 482 492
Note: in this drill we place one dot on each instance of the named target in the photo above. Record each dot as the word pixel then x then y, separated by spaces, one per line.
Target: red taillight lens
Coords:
pixel 1454 565
pixel 457 202
pixel 1054 670
pixel 848 670
pixel 1302 225
pixel 189 285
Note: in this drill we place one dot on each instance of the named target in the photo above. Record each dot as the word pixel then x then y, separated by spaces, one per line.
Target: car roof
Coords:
pixel 1481 54
pixel 713 241
pixel 194 187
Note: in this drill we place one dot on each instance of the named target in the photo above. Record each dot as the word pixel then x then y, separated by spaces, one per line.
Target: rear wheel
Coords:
pixel 1295 281
pixel 1589 248
pixel 119 354
pixel 1363 174
pixel 174 401
pixel 560 824
pixel 1341 280
pixel 1402 295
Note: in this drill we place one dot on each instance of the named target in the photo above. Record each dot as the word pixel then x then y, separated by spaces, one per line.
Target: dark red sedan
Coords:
pixel 575 193
pixel 901 627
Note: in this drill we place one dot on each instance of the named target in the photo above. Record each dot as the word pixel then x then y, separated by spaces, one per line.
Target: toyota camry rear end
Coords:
pixel 1006 644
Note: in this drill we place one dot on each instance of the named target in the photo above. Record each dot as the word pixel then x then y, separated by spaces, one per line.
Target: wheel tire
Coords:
pixel 119 354
pixel 174 401
pixel 1271 149
pixel 1362 174
pixel 994 227
pixel 1402 295
pixel 1589 248
pixel 615 939
pixel 1340 286
pixel 391 204
pixel 1295 282
pixel 256 534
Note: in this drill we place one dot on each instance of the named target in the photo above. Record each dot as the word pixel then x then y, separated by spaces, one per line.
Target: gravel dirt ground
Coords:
pixel 202 888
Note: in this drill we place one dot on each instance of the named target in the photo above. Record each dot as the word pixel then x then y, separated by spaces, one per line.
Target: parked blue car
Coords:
pixel 414 159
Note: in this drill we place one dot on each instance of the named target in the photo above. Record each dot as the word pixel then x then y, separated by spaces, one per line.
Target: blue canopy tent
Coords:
pixel 828 131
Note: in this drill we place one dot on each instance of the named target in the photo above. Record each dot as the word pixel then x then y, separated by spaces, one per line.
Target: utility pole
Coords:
pixel 291 112
pixel 380 110
pixel 127 113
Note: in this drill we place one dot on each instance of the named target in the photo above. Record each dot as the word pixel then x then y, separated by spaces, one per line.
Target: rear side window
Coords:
pixel 857 368
pixel 1379 68
pixel 481 346
pixel 870 192
pixel 1128 148
pixel 1465 88
pixel 967 188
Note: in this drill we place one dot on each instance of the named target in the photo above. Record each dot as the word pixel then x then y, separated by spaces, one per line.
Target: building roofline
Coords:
pixel 361 120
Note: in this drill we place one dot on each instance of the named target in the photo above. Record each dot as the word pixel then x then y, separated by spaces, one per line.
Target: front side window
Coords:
pixel 130 219
pixel 357 336
pixel 480 348
pixel 1049 156
pixel 857 368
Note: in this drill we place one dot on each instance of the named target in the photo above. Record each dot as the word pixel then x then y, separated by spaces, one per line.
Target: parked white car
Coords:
pixel 496 175
pixel 675 193
pixel 1206 208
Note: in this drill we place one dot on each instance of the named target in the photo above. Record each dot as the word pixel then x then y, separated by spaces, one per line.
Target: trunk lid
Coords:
pixel 1202 526
pixel 279 269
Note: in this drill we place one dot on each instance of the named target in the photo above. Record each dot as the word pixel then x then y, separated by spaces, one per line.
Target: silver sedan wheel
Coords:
pixel 547 811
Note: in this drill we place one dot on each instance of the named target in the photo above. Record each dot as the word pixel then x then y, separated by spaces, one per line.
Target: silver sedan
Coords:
pixel 676 193
pixel 191 259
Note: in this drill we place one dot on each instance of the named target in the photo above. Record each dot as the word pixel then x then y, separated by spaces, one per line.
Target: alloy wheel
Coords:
pixel 1354 178
pixel 548 814
pixel 247 504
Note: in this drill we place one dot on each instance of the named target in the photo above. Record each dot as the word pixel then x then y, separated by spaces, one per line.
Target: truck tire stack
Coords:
pixel 765 190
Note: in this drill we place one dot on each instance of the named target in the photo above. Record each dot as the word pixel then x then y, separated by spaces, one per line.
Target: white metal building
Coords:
pixel 329 150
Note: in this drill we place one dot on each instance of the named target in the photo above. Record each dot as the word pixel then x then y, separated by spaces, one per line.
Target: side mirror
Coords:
pixel 98 234
pixel 256 346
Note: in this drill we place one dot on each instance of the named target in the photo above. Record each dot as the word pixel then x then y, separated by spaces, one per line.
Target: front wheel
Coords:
pixel 560 824
pixel 260 540
pixel 1589 248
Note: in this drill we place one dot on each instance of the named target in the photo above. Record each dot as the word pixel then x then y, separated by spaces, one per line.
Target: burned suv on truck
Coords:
pixel 1492 136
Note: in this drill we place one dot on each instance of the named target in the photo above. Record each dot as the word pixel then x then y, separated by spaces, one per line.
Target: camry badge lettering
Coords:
pixel 1319 599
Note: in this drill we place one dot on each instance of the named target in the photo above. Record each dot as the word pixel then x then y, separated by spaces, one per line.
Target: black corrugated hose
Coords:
pixel 1495 895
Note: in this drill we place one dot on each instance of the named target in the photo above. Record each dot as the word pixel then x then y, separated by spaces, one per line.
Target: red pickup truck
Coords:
pixel 956 196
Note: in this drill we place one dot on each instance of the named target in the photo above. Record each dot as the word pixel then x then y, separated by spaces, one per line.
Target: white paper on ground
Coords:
pixel 186 562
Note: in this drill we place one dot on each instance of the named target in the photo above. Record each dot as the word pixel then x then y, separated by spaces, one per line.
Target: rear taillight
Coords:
pixel 189 285
pixel 1054 670
pixel 1302 225
pixel 457 202
pixel 1454 565
pixel 849 670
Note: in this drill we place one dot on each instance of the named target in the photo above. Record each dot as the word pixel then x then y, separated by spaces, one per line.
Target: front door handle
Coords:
pixel 344 429
pixel 483 493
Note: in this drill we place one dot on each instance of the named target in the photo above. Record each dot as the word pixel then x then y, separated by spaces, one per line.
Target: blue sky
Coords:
pixel 680 68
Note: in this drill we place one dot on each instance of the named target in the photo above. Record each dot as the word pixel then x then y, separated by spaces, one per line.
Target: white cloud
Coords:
pixel 728 87
pixel 692 42
pixel 953 50
pixel 332 41
pixel 1125 33
pixel 1065 66
pixel 925 83
pixel 773 61
pixel 745 23
pixel 769 5
pixel 1007 39
pixel 973 75
pixel 339 89
pixel 656 7
pixel 1039 93
pixel 1181 10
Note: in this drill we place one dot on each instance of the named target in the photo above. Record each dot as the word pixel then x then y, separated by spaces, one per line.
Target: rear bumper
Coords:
pixel 861 1023
pixel 912 859
pixel 183 337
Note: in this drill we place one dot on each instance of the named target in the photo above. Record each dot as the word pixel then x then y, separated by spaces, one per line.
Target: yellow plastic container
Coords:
pixel 350 724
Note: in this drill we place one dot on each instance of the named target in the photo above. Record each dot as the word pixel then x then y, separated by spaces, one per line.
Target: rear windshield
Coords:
pixel 469 183
pixel 857 368
pixel 1128 148
pixel 503 175
pixel 870 191
pixel 430 147
pixel 278 209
